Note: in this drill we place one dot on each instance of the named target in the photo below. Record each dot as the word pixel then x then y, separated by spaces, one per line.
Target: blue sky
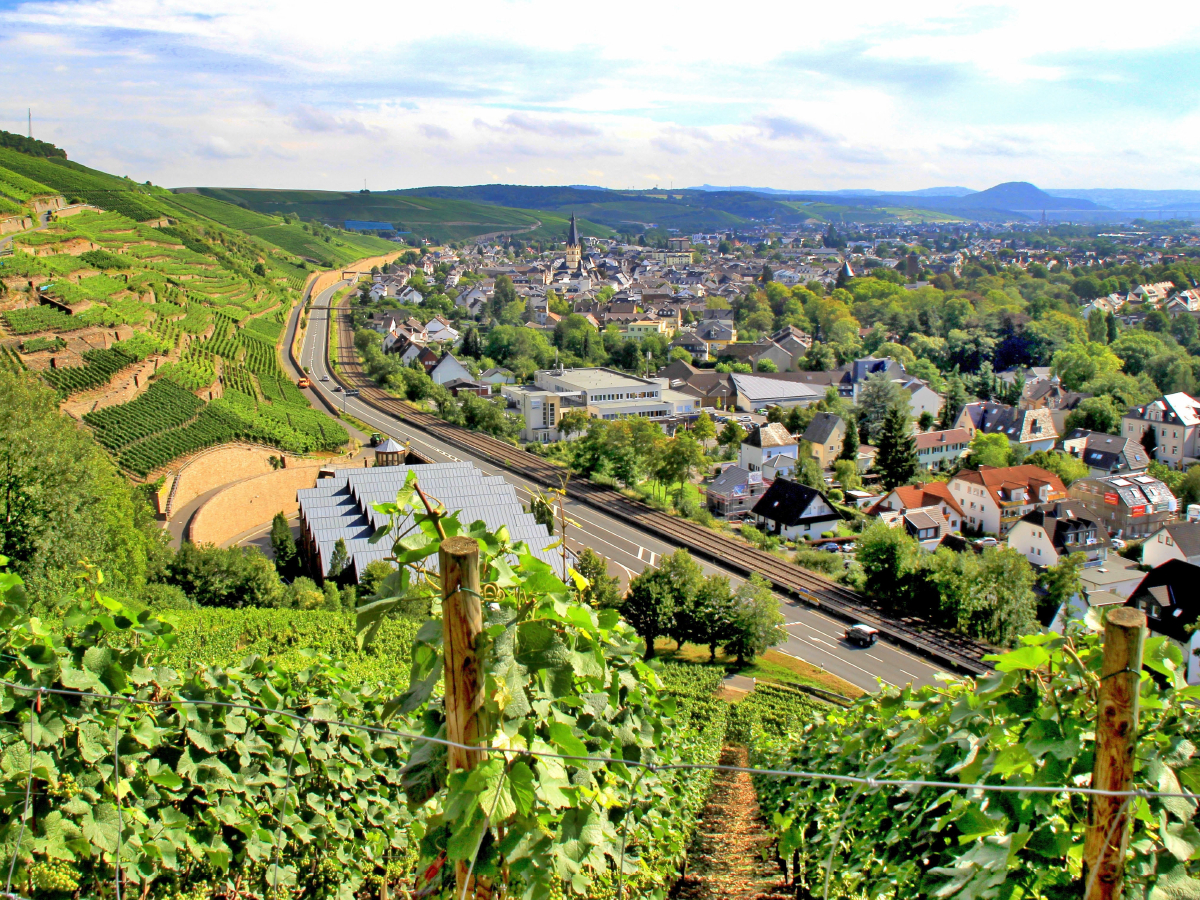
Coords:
pixel 303 94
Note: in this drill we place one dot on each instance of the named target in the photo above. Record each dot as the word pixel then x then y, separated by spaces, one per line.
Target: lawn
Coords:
pixel 773 667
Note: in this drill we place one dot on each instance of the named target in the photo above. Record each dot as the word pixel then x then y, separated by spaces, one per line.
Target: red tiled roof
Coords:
pixel 929 439
pixel 914 496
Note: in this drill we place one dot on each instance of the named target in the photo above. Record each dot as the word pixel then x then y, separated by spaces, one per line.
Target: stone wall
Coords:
pixel 231 463
pixel 249 503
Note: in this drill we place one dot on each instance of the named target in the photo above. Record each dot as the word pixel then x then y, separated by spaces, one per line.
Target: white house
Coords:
pixel 1059 529
pixel 794 511
pixel 1178 540
pixel 993 499
pixel 447 369
pixel 765 443
pixel 438 330
pixel 410 295
pixel 938 448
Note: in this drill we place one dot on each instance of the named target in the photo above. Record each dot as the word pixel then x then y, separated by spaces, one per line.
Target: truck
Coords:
pixel 303 383
pixel 861 635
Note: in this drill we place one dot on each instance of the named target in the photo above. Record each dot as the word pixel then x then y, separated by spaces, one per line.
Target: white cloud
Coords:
pixel 529 89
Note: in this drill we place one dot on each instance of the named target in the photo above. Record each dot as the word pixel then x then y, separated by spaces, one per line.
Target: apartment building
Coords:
pixel 994 499
pixel 1173 420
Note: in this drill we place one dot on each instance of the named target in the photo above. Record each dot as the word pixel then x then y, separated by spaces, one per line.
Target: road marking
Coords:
pixel 910 674
pixel 878 660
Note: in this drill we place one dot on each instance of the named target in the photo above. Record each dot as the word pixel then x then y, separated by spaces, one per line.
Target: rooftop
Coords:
pixel 595 379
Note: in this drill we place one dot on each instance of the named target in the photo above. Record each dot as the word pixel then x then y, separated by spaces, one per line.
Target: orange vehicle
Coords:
pixel 303 382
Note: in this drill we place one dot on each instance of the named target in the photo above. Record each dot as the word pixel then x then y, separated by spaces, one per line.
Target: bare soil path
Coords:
pixel 725 861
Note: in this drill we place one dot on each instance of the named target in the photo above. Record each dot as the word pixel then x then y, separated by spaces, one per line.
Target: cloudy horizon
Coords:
pixel 303 96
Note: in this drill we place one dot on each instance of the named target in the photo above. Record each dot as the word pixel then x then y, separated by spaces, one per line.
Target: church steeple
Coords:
pixel 574 251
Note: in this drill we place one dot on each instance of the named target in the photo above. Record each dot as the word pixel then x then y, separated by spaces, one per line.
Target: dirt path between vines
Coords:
pixel 725 861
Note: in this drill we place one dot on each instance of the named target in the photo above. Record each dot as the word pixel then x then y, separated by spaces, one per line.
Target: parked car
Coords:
pixel 862 635
pixel 1117 543
pixel 829 547
pixel 987 542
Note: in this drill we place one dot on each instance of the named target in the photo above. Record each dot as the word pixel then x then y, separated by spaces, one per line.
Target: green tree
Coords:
pixel 232 577
pixel 283 545
pixel 602 590
pixel 1067 467
pixel 1096 414
pixel 845 473
pixel 731 435
pixel 897 456
pixel 62 500
pixel 878 397
pixel 704 430
pixel 373 576
pixel 1113 329
pixel 888 557
pixel 818 358
pixel 338 561
pixel 716 599
pixel 541 507
pixel 766 365
pixel 849 449
pixel 573 421
pixel 655 594
pixel 755 621
pixel 989 450
pixel 1059 584
pixel 1097 327
pixel 926 421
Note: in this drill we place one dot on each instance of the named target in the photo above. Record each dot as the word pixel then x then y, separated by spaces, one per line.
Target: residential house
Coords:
pixel 1032 429
pixel 1174 420
pixel 734 490
pixel 467 386
pixel 410 295
pixel 438 330
pixel 794 511
pixel 449 369
pixel 936 449
pixel 927 525
pixel 1176 540
pixel 1106 454
pixel 497 375
pixel 1169 598
pixel 1050 395
pixel 716 335
pixel 764 443
pixel 1058 529
pixel 994 499
pixel 922 496
pixel 1132 506
pixel 826 433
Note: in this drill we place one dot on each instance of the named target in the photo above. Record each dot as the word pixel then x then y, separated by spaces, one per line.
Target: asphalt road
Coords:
pixel 811 636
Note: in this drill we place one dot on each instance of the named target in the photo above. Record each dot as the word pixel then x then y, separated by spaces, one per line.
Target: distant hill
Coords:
pixel 1019 195
pixel 846 192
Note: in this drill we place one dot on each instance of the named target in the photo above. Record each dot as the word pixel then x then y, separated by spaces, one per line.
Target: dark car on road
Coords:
pixel 862 635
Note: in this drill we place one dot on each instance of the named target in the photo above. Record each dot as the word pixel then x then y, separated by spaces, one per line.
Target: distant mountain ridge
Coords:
pixel 843 192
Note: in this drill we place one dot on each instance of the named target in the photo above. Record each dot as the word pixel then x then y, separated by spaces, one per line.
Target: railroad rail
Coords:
pixel 944 647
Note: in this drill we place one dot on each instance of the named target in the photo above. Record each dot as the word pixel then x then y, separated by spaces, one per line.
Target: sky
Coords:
pixel 788 95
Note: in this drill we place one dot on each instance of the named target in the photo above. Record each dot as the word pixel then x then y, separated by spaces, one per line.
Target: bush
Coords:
pixel 165 596
pixel 827 534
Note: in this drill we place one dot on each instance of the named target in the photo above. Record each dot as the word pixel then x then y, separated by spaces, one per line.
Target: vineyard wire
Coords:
pixel 633 764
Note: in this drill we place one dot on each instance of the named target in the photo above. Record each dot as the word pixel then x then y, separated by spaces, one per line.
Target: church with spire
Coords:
pixel 573 267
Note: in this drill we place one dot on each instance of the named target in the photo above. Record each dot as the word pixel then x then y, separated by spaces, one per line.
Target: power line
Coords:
pixel 866 781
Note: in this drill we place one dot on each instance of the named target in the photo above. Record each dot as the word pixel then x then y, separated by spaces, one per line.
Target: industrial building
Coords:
pixel 340 507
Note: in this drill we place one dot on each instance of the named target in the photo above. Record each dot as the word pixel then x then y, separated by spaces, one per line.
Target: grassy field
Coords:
pixel 772 666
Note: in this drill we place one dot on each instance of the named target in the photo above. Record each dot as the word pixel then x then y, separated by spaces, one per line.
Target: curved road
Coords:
pixel 811 636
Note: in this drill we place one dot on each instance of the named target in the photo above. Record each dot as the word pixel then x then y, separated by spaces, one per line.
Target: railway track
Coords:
pixel 946 648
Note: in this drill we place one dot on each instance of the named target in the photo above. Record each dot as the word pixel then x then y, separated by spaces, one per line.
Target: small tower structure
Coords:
pixel 390 453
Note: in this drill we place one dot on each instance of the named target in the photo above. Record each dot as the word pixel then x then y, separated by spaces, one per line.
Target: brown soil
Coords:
pixel 725 861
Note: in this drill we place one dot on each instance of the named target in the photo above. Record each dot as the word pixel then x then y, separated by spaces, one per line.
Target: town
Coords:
pixel 366 541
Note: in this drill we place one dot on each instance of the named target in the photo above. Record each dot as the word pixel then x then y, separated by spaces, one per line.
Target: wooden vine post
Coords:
pixel 1107 837
pixel 462 617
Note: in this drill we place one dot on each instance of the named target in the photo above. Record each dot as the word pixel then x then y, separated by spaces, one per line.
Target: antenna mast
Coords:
pixel 30 111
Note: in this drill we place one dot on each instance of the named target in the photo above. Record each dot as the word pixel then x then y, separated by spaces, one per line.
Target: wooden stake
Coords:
pixel 1107 837
pixel 462 618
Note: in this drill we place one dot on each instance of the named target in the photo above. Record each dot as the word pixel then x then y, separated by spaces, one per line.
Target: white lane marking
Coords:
pixel 878 660
pixel 910 674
